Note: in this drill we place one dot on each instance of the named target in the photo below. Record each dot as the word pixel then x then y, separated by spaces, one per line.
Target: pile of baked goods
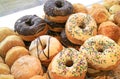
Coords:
pixel 70 42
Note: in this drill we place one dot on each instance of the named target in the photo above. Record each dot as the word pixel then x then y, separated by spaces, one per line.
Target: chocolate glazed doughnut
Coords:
pixel 30 27
pixel 58 10
pixel 57 27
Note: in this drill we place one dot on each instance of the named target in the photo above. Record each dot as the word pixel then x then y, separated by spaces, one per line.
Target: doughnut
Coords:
pixel 4 32
pixel 78 7
pixel 57 27
pixel 58 10
pixel 104 77
pixel 37 77
pixel 116 72
pixel 115 8
pixel 4 69
pixel 117 18
pixel 102 53
pixel 45 48
pixel 14 53
pixel 99 13
pixel 9 76
pixel 54 34
pixel 25 67
pixel 110 30
pixel 68 64
pixel 30 26
pixel 64 40
pixel 79 27
pixel 9 42
pixel 109 3
pixel 1 60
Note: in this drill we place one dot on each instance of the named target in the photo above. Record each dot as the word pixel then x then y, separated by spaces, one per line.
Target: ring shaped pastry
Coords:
pixel 102 53
pixel 68 64
pixel 45 48
pixel 30 26
pixel 58 10
pixel 79 27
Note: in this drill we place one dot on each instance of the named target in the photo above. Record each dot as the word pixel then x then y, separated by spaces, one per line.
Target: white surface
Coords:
pixel 9 20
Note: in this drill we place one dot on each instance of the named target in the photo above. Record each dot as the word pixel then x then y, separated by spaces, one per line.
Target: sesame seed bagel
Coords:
pixel 102 53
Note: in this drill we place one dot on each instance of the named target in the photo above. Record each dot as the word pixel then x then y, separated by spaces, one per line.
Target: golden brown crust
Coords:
pixel 104 77
pixel 109 29
pixel 14 53
pixel 9 42
pixel 79 8
pixel 99 13
pixel 37 77
pixel 4 69
pixel 32 37
pixel 57 19
pixel 9 76
pixel 4 32
pixel 55 76
pixel 52 47
pixel 1 60
pixel 25 67
pixel 117 18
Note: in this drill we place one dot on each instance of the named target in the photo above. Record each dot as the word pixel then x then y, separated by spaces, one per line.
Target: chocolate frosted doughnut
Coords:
pixel 29 25
pixel 58 8
pixel 57 27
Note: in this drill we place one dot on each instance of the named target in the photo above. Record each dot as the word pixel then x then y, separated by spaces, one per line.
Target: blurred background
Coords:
pixel 11 6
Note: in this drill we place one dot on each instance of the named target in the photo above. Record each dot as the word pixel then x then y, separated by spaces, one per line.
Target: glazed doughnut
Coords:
pixel 117 18
pixel 25 67
pixel 77 7
pixel 102 53
pixel 99 13
pixel 64 40
pixel 115 8
pixel 4 69
pixel 14 53
pixel 9 42
pixel 45 48
pixel 1 60
pixel 68 64
pixel 79 27
pixel 4 32
pixel 37 77
pixel 110 30
pixel 58 10
pixel 57 27
pixel 9 76
pixel 30 26
pixel 109 3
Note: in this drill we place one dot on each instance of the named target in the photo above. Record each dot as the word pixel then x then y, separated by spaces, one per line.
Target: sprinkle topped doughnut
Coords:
pixel 79 27
pixel 102 52
pixel 68 64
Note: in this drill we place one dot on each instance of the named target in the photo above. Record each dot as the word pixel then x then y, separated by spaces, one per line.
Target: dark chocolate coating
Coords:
pixel 29 25
pixel 55 25
pixel 52 33
pixel 66 42
pixel 58 8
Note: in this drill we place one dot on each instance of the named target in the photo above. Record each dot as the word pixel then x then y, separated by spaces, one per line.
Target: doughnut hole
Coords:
pixel 58 4
pixel 28 22
pixel 68 63
pixel 82 26
pixel 100 50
